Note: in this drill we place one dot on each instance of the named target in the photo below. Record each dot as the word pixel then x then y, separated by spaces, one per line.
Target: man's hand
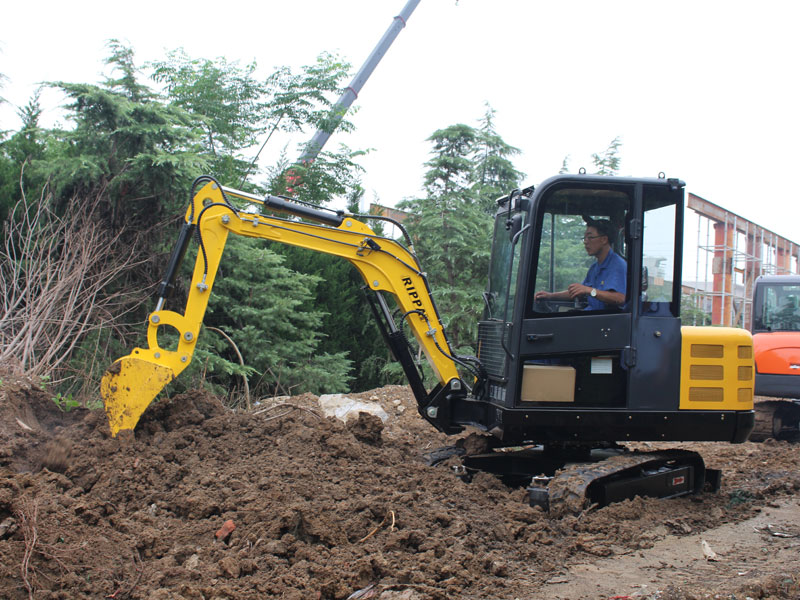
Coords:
pixel 578 289
pixel 542 295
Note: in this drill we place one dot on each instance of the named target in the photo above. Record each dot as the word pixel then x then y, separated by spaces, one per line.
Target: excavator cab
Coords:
pixel 567 371
pixel 776 304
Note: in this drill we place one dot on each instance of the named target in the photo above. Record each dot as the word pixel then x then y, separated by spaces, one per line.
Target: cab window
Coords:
pixel 578 226
pixel 781 308
pixel 660 286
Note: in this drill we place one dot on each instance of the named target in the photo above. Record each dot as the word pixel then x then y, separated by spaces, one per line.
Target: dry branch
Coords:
pixel 55 273
pixel 27 517
pixel 381 524
pixel 291 408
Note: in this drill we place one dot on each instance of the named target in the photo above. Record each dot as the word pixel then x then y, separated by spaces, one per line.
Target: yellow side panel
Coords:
pixel 716 369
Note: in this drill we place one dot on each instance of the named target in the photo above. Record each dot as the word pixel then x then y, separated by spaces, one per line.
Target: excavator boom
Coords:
pixel 134 381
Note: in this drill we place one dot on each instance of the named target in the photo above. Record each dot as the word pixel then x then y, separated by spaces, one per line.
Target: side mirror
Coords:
pixel 645 277
pixel 488 300
pixel 514 225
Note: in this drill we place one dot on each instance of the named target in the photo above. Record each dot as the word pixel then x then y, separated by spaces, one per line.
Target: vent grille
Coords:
pixel 490 348
pixel 706 394
pixel 745 373
pixel 712 372
pixel 707 351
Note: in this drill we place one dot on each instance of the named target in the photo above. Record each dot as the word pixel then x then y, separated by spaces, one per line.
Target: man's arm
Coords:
pixel 611 297
pixel 552 295
pixel 616 280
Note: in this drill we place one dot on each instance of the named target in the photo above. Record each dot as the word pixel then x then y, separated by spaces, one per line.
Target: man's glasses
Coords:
pixel 592 237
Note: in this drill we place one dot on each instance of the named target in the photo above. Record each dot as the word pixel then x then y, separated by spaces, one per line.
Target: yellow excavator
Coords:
pixel 557 385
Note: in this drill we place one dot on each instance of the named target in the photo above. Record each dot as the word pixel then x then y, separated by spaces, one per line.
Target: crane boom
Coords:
pixel 315 145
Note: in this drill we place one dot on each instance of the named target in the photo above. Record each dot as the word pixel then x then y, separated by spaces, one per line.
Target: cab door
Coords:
pixel 574 353
pixel 654 377
pixel 577 355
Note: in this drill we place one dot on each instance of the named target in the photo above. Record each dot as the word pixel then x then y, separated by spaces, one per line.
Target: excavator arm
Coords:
pixel 134 381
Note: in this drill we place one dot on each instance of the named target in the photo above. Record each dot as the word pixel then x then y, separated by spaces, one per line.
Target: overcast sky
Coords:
pixel 702 90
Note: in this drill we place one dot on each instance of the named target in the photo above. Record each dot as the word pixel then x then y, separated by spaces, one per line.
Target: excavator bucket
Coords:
pixel 129 386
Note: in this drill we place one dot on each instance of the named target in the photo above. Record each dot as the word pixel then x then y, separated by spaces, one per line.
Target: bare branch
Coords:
pixel 27 517
pixel 55 276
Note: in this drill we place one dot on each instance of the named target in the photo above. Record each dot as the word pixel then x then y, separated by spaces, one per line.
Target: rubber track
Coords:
pixel 567 490
pixel 786 411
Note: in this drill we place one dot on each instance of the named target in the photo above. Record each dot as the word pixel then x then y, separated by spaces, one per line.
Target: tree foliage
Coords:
pixel 131 152
pixel 451 226
pixel 127 145
pixel 235 109
pixel 608 162
pixel 561 238
pixel 267 310
pixel 494 172
pixel 17 152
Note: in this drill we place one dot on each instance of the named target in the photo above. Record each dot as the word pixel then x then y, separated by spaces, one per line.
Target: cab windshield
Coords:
pixel 781 308
pixel 504 262
pixel 576 224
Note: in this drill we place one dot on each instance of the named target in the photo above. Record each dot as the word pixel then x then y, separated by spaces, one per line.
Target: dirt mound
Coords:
pixel 281 502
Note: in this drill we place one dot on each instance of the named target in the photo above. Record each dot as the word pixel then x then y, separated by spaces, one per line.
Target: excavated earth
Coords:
pixel 281 502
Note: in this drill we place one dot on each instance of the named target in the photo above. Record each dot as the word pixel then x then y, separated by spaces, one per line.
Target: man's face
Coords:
pixel 593 241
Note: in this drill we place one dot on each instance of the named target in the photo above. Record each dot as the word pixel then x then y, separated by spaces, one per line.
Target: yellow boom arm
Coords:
pixel 134 381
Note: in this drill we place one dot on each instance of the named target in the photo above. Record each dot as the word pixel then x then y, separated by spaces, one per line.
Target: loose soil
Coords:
pixel 280 502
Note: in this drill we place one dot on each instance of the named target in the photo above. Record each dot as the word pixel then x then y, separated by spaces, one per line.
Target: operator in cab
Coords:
pixel 606 281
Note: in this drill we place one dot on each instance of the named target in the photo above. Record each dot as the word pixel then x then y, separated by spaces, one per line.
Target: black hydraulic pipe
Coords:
pixel 176 258
pixel 398 344
pixel 305 212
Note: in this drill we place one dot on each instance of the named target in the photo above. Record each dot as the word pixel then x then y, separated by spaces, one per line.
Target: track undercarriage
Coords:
pixel 776 418
pixel 568 480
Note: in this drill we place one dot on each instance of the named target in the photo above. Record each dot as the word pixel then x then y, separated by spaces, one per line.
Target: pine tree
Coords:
pixel 268 311
pixel 608 162
pixel 451 226
pixel 16 154
pixel 128 145
pixel 493 172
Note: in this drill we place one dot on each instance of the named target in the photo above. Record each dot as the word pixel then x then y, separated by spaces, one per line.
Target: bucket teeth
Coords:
pixel 128 387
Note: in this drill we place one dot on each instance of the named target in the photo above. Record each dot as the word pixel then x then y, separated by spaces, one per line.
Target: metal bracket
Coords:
pixel 367 244
pixel 629 356
pixel 635 229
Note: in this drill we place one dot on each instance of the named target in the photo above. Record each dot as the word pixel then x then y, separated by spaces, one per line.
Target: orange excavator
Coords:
pixel 776 344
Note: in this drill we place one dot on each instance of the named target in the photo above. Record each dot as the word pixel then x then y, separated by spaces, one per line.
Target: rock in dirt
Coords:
pixel 224 532
pixel 56 455
pixel 344 408
pixel 474 444
pixel 366 428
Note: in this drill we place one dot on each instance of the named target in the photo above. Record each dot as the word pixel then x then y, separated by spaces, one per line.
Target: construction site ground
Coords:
pixel 282 502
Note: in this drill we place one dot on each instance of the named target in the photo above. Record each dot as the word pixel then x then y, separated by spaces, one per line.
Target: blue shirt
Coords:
pixel 609 275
